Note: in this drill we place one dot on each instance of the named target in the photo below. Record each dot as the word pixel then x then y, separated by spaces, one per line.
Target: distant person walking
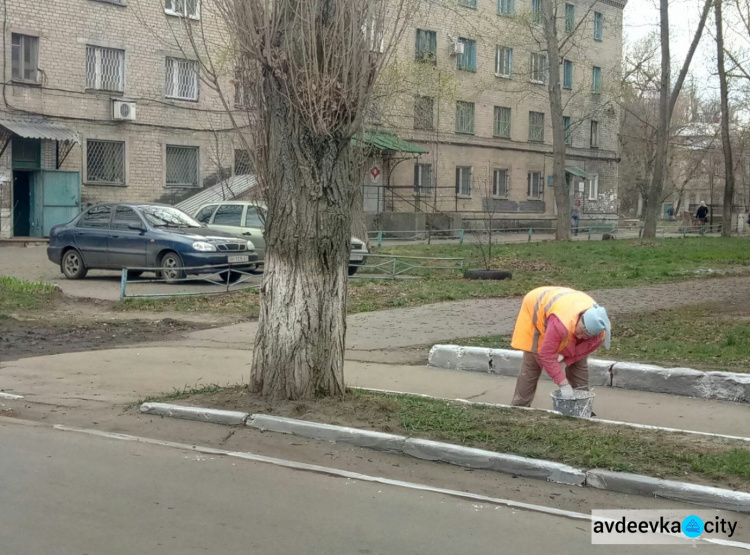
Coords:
pixel 702 213
pixel 555 325
pixel 574 218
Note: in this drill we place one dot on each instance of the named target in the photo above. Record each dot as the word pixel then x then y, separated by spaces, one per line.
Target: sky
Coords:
pixel 641 17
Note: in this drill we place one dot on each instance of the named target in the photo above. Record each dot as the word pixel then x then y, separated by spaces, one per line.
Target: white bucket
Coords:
pixel 581 404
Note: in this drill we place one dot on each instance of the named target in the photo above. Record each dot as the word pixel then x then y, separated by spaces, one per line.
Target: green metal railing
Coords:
pixel 384 265
pixel 235 280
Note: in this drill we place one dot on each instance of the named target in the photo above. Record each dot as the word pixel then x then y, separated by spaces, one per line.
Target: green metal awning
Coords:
pixel 578 171
pixel 383 140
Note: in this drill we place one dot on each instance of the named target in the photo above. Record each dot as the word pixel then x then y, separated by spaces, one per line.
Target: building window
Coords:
pixel 239 88
pixel 373 33
pixel 464 117
pixel 570 18
pixel 463 181
pixel 536 11
pixel 182 166
pixel 568 130
pixel 425 49
pixel 534 189
pixel 501 126
pixel 423 113
pixel 374 112
pixel 594 188
pixel 243 165
pixel 596 80
pixel 468 3
pixel 506 7
pixel 594 134
pixel 422 177
pixel 536 127
pixel 598 26
pixel 500 183
pixel 183 8
pixel 468 60
pixel 181 79
pixel 105 69
pixel 503 61
pixel 538 68
pixel 105 162
pixel 25 58
pixel 567 74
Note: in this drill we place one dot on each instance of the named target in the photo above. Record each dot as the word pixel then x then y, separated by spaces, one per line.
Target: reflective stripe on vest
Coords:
pixel 559 292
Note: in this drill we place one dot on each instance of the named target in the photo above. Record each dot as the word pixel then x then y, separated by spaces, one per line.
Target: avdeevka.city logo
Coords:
pixel 692 526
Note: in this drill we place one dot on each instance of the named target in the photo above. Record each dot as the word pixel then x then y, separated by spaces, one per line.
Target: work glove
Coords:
pixel 560 358
pixel 566 391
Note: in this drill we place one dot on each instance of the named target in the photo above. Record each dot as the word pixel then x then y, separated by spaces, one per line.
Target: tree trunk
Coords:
pixel 653 204
pixel 726 227
pixel 299 352
pixel 561 187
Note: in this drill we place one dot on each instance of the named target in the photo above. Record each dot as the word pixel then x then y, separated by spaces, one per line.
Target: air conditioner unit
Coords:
pixel 458 48
pixel 123 110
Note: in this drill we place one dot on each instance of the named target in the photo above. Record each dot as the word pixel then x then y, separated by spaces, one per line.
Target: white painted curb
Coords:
pixel 725 386
pixel 716 498
pixel 423 449
pixel 227 417
pixel 10 396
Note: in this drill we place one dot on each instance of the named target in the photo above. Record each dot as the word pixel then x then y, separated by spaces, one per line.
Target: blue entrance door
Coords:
pixel 56 199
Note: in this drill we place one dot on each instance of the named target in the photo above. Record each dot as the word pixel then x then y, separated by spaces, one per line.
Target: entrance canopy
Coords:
pixel 578 172
pixel 389 142
pixel 66 138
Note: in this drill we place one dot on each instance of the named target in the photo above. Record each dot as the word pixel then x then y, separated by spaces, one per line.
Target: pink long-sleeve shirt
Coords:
pixel 575 350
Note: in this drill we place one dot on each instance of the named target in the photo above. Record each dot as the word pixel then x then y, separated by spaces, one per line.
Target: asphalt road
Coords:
pixel 69 493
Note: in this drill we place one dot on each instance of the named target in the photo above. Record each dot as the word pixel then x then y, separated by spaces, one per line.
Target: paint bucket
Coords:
pixel 579 405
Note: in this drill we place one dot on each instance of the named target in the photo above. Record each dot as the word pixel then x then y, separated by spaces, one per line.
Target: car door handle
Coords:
pixel 248 234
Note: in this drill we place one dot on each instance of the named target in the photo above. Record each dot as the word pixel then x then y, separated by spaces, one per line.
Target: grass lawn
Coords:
pixel 18 294
pixel 706 336
pixel 582 265
pixel 582 443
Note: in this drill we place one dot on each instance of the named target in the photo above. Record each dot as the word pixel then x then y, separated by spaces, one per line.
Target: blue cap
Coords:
pixel 596 321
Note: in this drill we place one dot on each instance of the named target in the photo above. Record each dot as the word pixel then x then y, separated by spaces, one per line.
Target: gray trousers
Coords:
pixel 528 377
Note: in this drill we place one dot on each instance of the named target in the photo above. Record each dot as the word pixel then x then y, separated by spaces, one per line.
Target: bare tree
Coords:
pixel 667 100
pixel 726 228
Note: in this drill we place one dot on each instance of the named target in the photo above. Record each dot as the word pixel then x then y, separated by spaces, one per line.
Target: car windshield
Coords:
pixel 166 216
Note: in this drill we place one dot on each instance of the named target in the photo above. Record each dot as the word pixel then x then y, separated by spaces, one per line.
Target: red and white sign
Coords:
pixel 376 175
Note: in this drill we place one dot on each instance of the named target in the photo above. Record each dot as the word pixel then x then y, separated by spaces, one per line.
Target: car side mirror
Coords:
pixel 136 227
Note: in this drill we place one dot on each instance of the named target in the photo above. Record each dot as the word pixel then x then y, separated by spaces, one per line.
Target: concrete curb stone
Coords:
pixel 716 498
pixel 226 417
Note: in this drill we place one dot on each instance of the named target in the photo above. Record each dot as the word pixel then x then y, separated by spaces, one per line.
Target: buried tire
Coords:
pixel 230 277
pixel 487 274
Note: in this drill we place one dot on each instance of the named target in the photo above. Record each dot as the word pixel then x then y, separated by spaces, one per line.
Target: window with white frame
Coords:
pixel 500 183
pixel 594 134
pixel 24 58
pixel 425 47
pixel 183 8
pixel 534 185
pixel 468 60
pixel 538 68
pixel 596 80
pixel 503 61
pixel 468 3
pixel 598 26
pixel 463 181
pixel 536 127
pixel 594 187
pixel 105 69
pixel 424 110
pixel 536 11
pixel 464 117
pixel 567 74
pixel 105 162
pixel 182 166
pixel 374 35
pixel 506 7
pixel 181 79
pixel 501 127
pixel 570 18
pixel 422 177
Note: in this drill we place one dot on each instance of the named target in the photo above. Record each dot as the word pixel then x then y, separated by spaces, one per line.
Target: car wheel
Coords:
pixel 72 265
pixel 353 270
pixel 170 267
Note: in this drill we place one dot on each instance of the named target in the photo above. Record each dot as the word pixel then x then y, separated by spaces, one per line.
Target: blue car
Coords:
pixel 117 236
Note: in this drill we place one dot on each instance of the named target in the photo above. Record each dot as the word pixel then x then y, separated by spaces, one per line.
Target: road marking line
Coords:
pixel 361 477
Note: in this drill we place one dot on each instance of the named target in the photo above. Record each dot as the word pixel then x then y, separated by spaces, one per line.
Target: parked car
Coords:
pixel 246 219
pixel 117 236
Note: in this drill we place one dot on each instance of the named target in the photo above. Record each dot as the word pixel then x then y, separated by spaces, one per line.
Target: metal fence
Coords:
pixel 211 281
pixel 390 266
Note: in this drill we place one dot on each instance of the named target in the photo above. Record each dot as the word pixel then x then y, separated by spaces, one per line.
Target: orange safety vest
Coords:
pixel 567 304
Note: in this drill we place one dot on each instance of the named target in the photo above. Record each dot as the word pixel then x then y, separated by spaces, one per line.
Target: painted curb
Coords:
pixel 327 432
pixel 716 498
pixel 10 396
pixel 723 386
pixel 227 417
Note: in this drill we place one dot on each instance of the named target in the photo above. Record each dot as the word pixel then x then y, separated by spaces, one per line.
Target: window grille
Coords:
pixel 464 117
pixel 424 109
pixel 182 166
pixel 105 69
pixel 242 163
pixel 502 122
pixel 183 8
pixel 536 126
pixel 105 162
pixel 181 79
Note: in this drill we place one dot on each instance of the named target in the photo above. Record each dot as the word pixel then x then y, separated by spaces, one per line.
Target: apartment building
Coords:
pixel 480 109
pixel 102 101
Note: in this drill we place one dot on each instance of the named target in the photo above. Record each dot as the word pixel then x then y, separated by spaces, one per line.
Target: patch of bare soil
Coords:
pixel 518 264
pixel 30 338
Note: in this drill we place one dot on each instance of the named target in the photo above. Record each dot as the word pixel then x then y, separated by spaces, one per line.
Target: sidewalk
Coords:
pixel 126 375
